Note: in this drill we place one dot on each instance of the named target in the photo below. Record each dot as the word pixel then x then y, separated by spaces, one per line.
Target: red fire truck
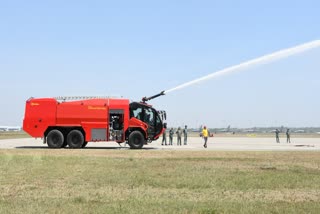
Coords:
pixel 61 122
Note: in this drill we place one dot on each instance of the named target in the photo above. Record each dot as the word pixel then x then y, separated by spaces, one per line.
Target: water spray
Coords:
pixel 258 61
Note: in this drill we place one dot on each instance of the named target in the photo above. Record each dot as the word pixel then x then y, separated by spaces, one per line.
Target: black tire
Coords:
pixel 136 140
pixel 84 144
pixel 75 139
pixel 55 139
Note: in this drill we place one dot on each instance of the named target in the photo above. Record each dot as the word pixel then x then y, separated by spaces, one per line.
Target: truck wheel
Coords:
pixel 55 139
pixel 75 139
pixel 136 140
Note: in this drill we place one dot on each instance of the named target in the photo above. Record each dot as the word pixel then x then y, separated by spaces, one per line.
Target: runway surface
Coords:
pixel 194 143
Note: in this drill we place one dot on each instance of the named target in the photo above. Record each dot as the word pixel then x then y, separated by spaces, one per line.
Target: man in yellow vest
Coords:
pixel 205 136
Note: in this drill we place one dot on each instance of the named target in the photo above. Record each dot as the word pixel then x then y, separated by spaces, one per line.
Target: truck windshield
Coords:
pixel 143 113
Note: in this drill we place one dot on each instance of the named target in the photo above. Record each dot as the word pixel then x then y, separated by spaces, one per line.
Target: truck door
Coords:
pixel 116 126
pixel 152 118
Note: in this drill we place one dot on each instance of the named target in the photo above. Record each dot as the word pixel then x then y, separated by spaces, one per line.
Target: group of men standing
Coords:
pixel 287 134
pixel 179 132
pixel 204 133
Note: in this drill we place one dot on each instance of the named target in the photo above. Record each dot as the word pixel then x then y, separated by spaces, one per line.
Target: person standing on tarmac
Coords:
pixel 164 137
pixel 171 133
pixel 205 136
pixel 288 136
pixel 179 134
pixel 185 135
pixel 277 136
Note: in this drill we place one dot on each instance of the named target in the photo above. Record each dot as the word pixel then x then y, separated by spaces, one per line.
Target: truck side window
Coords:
pixel 137 113
pixel 149 116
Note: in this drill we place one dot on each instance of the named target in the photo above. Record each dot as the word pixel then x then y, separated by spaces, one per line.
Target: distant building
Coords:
pixel 10 128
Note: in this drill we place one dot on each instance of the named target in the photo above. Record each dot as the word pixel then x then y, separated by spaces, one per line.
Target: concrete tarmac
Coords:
pixel 194 143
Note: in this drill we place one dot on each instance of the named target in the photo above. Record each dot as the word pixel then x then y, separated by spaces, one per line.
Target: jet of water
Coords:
pixel 258 61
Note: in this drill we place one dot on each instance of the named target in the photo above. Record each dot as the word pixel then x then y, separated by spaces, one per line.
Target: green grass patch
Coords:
pixel 104 181
pixel 13 135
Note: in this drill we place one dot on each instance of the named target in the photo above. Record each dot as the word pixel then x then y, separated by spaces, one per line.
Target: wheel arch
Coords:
pixel 132 129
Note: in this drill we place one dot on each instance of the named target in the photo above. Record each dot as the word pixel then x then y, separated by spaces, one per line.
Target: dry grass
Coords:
pixel 13 135
pixel 126 181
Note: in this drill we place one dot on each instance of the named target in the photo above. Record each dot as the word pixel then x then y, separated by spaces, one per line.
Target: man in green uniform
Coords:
pixel 288 136
pixel 164 137
pixel 185 135
pixel 277 136
pixel 171 133
pixel 179 134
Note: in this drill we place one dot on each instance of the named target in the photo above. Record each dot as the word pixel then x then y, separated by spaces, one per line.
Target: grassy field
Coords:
pixel 13 135
pixel 126 181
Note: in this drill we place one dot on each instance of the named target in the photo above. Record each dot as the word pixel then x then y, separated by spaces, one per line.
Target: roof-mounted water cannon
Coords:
pixel 145 99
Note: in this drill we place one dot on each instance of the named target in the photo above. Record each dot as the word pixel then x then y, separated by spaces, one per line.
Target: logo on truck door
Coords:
pixel 96 108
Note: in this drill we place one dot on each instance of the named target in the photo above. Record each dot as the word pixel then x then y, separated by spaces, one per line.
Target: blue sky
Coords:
pixel 139 48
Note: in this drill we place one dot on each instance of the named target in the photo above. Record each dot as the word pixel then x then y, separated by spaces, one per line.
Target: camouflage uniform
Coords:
pixel 179 134
pixel 164 137
pixel 288 136
pixel 185 135
pixel 277 136
pixel 171 132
